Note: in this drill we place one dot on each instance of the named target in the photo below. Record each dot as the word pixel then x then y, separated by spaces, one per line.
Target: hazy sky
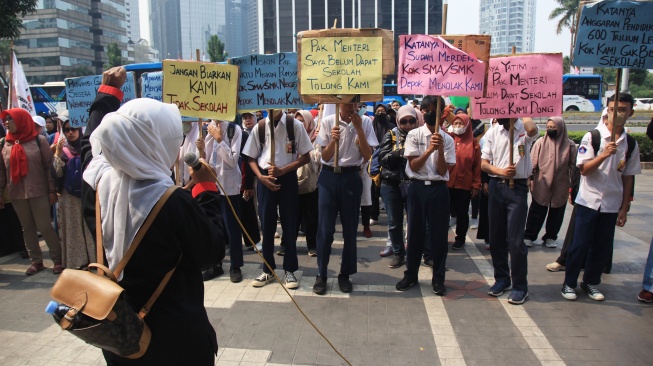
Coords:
pixel 546 39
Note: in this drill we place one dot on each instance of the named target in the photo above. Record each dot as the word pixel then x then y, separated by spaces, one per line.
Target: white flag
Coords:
pixel 21 95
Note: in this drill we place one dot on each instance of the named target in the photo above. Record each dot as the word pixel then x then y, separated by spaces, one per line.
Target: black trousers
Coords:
pixel 508 207
pixel 536 215
pixel 460 206
pixel 12 231
pixel 308 214
pixel 376 208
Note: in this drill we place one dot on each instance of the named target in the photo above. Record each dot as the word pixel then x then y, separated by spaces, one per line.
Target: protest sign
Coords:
pixel 152 85
pixel 430 65
pixel 268 82
pixel 199 89
pixel 341 65
pixel 383 52
pixel 522 85
pixel 81 91
pixel 617 34
pixel 476 44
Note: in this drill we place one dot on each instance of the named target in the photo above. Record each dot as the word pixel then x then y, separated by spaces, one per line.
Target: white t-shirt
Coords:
pixel 604 188
pixel 496 149
pixel 349 153
pixel 417 142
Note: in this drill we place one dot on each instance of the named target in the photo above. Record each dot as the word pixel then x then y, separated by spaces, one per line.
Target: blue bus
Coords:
pixel 49 97
pixel 140 69
pixel 582 93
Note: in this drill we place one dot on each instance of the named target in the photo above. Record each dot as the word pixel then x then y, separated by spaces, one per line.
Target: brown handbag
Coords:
pixel 98 313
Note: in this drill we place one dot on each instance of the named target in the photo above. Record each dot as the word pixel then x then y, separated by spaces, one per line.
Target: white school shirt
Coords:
pixel 281 156
pixel 349 153
pixel 223 157
pixel 604 188
pixel 417 142
pixel 496 149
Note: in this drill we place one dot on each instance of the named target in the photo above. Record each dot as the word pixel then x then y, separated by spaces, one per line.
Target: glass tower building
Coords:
pixel 510 23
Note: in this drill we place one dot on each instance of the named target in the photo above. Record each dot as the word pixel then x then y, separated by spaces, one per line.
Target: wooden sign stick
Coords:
pixel 336 168
pixel 511 183
pixel 615 105
pixel 272 145
pixel 200 136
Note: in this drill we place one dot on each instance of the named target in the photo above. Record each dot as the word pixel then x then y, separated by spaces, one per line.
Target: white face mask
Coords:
pixel 459 130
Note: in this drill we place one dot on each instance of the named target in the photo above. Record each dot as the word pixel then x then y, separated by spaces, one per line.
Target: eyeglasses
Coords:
pixel 66 129
pixel 404 121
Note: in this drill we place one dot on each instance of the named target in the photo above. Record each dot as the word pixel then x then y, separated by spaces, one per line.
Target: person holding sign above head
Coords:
pixel 341 189
pixel 607 171
pixel 508 205
pixel 276 171
pixel 223 154
pixel 430 153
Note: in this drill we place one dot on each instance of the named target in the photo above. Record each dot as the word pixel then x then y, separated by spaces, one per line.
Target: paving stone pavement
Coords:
pixel 377 325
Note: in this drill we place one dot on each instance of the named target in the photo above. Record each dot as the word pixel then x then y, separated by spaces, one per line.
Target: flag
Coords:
pixel 21 97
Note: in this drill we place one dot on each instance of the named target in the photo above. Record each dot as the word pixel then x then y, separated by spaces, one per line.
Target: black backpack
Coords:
pixel 290 131
pixel 596 143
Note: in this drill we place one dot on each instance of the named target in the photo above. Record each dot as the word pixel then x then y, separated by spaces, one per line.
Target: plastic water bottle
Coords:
pixel 58 311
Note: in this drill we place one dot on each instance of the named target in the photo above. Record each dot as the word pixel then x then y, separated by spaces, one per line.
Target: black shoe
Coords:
pixel 281 252
pixel 344 283
pixel 212 272
pixel 397 261
pixel 235 275
pixel 458 245
pixel 320 286
pixel 405 283
pixel 439 289
pixel 428 262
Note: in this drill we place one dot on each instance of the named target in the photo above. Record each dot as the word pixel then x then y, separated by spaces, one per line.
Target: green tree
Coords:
pixel 5 56
pixel 114 56
pixel 216 50
pixel 11 13
pixel 567 13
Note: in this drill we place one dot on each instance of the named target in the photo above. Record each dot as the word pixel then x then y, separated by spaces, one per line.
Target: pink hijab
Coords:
pixel 552 163
pixel 309 123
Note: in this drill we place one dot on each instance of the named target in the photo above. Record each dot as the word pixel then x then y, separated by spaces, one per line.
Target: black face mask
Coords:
pixel 552 133
pixel 381 117
pixel 429 118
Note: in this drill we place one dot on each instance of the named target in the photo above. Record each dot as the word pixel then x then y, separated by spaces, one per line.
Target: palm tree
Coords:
pixel 567 11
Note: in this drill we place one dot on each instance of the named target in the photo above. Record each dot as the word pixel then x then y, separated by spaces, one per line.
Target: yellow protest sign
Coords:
pixel 341 65
pixel 200 89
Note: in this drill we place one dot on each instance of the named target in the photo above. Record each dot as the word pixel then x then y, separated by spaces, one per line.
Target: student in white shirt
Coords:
pixel 277 186
pixel 603 199
pixel 507 206
pixel 340 192
pixel 430 153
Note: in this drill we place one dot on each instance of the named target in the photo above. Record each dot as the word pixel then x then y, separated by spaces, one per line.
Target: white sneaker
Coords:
pixel 568 292
pixel 529 243
pixel 592 291
pixel 550 243
pixel 259 246
pixel 373 222
pixel 262 280
pixel 452 222
pixel 473 224
pixel 290 281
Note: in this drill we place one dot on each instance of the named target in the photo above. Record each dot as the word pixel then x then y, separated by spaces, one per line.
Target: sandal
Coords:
pixel 57 269
pixel 34 269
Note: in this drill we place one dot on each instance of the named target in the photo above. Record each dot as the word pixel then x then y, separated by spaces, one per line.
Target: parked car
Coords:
pixel 643 104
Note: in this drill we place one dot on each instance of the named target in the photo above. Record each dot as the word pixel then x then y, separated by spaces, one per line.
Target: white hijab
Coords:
pixel 133 151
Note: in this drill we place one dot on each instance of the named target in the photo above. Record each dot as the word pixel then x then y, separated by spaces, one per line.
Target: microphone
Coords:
pixel 192 160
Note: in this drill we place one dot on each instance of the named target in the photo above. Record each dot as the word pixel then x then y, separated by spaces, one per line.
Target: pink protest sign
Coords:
pixel 520 86
pixel 430 65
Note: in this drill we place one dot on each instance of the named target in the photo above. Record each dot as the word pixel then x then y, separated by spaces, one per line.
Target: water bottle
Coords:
pixel 80 321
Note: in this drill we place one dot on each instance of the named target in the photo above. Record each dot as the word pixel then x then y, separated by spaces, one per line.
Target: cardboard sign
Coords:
pixel 387 62
pixel 81 92
pixel 476 44
pixel 341 65
pixel 617 34
pixel 523 85
pixel 268 82
pixel 200 89
pixel 430 65
pixel 152 85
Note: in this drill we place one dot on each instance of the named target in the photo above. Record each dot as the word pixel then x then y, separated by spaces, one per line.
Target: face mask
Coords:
pixel 552 133
pixel 381 117
pixel 429 118
pixel 362 111
pixel 459 130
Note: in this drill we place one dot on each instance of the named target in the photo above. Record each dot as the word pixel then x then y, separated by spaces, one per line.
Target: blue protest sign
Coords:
pixel 152 85
pixel 617 34
pixel 80 94
pixel 268 82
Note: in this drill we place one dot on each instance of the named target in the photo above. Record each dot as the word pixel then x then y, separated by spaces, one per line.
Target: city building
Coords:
pixel 242 27
pixel 510 23
pixel 133 20
pixel 165 28
pixel 283 19
pixel 65 38
pixel 199 20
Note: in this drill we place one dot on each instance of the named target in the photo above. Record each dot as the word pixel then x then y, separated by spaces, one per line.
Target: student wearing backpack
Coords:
pixel 78 248
pixel 25 170
pixel 603 198
pixel 394 182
